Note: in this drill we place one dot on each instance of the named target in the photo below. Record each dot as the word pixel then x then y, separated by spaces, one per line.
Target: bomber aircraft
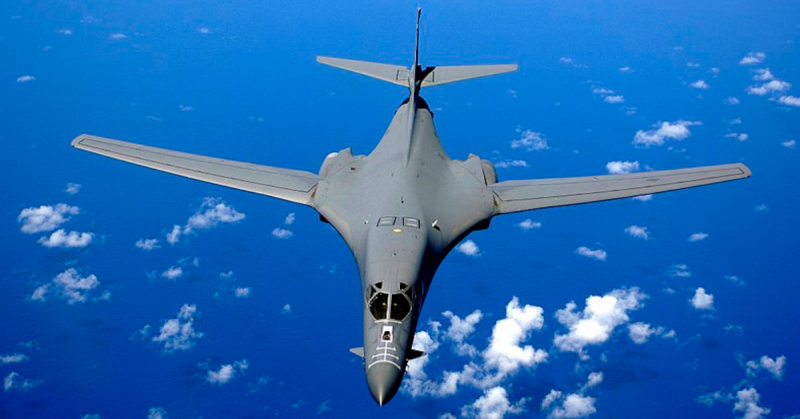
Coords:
pixel 402 208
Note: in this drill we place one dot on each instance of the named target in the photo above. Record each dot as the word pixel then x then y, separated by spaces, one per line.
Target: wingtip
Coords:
pixel 77 140
pixel 746 170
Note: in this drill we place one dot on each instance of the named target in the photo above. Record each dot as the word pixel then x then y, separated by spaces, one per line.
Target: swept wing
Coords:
pixel 290 185
pixel 524 195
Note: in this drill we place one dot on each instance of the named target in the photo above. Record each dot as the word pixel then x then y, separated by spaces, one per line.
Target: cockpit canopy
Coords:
pixel 394 306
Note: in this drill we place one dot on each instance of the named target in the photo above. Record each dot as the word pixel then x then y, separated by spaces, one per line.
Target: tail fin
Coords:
pixel 430 76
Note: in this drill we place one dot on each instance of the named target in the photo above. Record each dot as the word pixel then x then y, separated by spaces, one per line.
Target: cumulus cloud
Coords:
pixel 789 144
pixel 571 406
pixel 622 167
pixel 211 213
pixel 241 292
pixel 64 31
pixel 147 244
pixel 643 198
pixel 26 78
pixel 528 224
pixel 282 233
pixel 511 163
pixel 679 270
pixel 494 404
pixel 700 84
pixel 13 359
pixel 625 69
pixel 460 329
pixel 178 334
pixel 15 382
pixel 772 86
pixel 71 286
pixel 73 188
pixel 530 141
pixel 773 366
pixel 763 74
pixel 597 321
pixel 702 300
pixel 204 30
pixel 504 354
pixel 45 217
pixel 598 254
pixel 60 238
pixel 226 372
pixel 732 101
pixel 614 99
pixel 641 332
pixel 753 58
pixel 696 237
pixel 739 136
pixel 185 108
pixel 602 91
pixel 638 232
pixel 157 413
pixel 746 403
pixel 789 100
pixel 118 36
pixel 287 309
pixel 289 220
pixel 173 273
pixel 678 130
pixel 469 248
pixel 735 280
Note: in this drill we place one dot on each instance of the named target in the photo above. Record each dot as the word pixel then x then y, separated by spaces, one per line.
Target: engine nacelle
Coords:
pixel 335 161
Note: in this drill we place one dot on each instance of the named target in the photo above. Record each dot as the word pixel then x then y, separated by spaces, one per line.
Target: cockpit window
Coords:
pixel 379 305
pixel 401 306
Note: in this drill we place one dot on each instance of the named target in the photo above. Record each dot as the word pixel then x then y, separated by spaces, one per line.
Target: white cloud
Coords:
pixel 679 270
pixel 702 300
pixel 598 319
pixel 147 244
pixel 715 70
pixel 118 36
pixel 15 382
pixel 528 224
pixel 602 91
pixel 185 108
pixel 625 69
pixel 211 213
pixel 530 141
pixel 789 143
pixel 773 366
pixel 736 121
pixel 287 309
pixel 226 372
pixel 732 101
pixel 494 404
pixel 677 130
pixel 614 99
pixel 323 407
pixel 504 354
pixel 622 167
pixel 594 378
pixel 289 220
pixel 735 280
pixel 460 328
pixel 571 406
pixel 598 254
pixel 761 208
pixel 469 248
pixel 241 292
pixel 763 74
pixel 739 136
pixel 45 217
pixel 565 60
pixel 638 232
pixel 25 79
pixel 747 403
pixel 700 84
pixel 61 238
pixel 753 58
pixel 772 86
pixel 173 273
pixel 178 334
pixel 156 413
pixel 72 287
pixel 511 163
pixel 73 188
pixel 696 237
pixel 282 233
pixel 789 100
pixel 13 358
pixel 692 64
pixel 643 198
pixel 204 30
pixel 64 31
pixel 640 332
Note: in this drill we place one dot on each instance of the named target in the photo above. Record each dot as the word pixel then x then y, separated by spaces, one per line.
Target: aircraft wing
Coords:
pixel 524 195
pixel 290 185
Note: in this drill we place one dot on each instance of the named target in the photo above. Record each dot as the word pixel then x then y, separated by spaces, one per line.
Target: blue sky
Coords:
pixel 133 293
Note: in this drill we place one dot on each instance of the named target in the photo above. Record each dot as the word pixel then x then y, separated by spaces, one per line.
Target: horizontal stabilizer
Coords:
pixel 358 351
pixel 450 74
pixel 414 354
pixel 396 74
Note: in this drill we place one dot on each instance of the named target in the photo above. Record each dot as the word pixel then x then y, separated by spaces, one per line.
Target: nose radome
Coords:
pixel 383 379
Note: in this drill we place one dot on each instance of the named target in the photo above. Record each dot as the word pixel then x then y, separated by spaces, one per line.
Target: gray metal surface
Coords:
pixel 402 208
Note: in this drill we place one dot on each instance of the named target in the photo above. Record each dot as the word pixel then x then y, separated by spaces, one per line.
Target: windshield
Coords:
pixel 401 306
pixel 379 305
pixel 395 306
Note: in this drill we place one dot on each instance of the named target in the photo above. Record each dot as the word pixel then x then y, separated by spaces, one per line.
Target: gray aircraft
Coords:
pixel 403 207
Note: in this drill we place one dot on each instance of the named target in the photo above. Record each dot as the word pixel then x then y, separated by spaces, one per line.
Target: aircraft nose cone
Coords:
pixel 383 380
